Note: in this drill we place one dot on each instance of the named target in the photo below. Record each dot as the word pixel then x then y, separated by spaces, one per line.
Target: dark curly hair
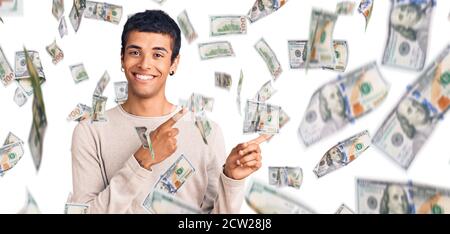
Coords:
pixel 155 21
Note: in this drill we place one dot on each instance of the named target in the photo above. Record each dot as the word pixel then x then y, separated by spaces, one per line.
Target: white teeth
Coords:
pixel 144 77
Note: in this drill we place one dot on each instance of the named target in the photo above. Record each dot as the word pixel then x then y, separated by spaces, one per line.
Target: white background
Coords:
pixel 97 45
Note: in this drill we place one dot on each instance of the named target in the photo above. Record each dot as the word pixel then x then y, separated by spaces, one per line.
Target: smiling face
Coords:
pixel 147 62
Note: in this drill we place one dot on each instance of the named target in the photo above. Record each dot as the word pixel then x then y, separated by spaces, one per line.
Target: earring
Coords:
pixel 123 70
pixel 172 73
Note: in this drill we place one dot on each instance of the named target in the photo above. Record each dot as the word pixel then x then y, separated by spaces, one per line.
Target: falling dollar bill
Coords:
pixel 269 57
pixel 99 108
pixel 39 124
pixel 75 17
pixel 365 8
pixel 345 8
pixel 343 209
pixel 55 52
pixel 62 28
pixel 222 80
pixel 177 174
pixel 103 11
pixel 227 24
pixel 78 73
pixel 344 100
pixel 80 113
pixel 261 118
pixel 239 89
pixel 75 208
pixel 186 27
pixel 215 50
pixel 6 72
pixel 411 122
pixel 11 7
pixel 121 91
pixel 297 55
pixel 409 25
pixel 320 48
pixel 263 8
pixel 343 153
pixel 265 92
pixel 198 103
pixel 286 176
pixel 20 97
pixel 203 125
pixel 58 9
pixel 387 197
pixel 30 206
pixel 21 72
pixel 101 84
pixel 264 199
pixel 162 203
pixel 10 153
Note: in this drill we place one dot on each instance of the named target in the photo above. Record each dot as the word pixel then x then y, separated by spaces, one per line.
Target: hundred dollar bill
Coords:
pixel 387 197
pixel 75 208
pixel 297 55
pixel 203 125
pixel 99 107
pixel 20 97
pixel 262 8
pixel 320 48
pixel 162 203
pixel 101 84
pixel 365 8
pixel 409 24
pixel 6 72
pixel 177 174
pixel 75 17
pixel 227 24
pixel 62 28
pixel 58 9
pixel 121 91
pixel 269 57
pixel 143 135
pixel 264 199
pixel 261 118
pixel 198 103
pixel 239 89
pixel 78 73
pixel 215 50
pixel 343 153
pixel 341 101
pixel 286 176
pixel 223 80
pixel 283 119
pixel 412 121
pixel 80 113
pixel 10 153
pixel 21 72
pixel 30 206
pixel 39 123
pixel 186 27
pixel 55 52
pixel 345 8
pixel 103 11
pixel 343 209
pixel 265 92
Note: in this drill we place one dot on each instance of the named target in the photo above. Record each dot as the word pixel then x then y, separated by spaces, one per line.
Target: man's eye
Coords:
pixel 158 55
pixel 135 53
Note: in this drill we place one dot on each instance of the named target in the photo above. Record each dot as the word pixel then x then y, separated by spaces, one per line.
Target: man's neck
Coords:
pixel 148 107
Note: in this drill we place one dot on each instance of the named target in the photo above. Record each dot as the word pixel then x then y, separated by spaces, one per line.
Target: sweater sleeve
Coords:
pixel 223 194
pixel 90 185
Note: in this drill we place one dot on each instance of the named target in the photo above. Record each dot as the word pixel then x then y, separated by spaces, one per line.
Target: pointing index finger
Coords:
pixel 262 138
pixel 174 119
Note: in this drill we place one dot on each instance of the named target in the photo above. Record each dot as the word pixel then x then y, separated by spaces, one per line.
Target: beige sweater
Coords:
pixel 108 178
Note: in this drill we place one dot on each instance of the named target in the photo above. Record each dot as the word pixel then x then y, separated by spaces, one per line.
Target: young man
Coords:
pixel 113 173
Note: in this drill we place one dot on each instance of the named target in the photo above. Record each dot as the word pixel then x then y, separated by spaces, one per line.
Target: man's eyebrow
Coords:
pixel 160 48
pixel 134 47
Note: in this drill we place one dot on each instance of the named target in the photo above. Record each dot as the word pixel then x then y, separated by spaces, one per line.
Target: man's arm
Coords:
pixel 90 185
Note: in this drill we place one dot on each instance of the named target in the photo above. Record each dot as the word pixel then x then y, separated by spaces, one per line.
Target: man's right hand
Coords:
pixel 163 140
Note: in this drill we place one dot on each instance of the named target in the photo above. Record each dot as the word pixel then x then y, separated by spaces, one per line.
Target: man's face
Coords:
pixel 397 200
pixel 333 97
pixel 405 16
pixel 413 112
pixel 147 62
pixel 335 155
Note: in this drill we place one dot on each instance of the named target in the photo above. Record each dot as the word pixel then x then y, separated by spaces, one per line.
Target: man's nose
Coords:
pixel 146 62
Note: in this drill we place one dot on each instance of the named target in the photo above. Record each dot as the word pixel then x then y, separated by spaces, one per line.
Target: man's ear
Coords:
pixel 174 65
